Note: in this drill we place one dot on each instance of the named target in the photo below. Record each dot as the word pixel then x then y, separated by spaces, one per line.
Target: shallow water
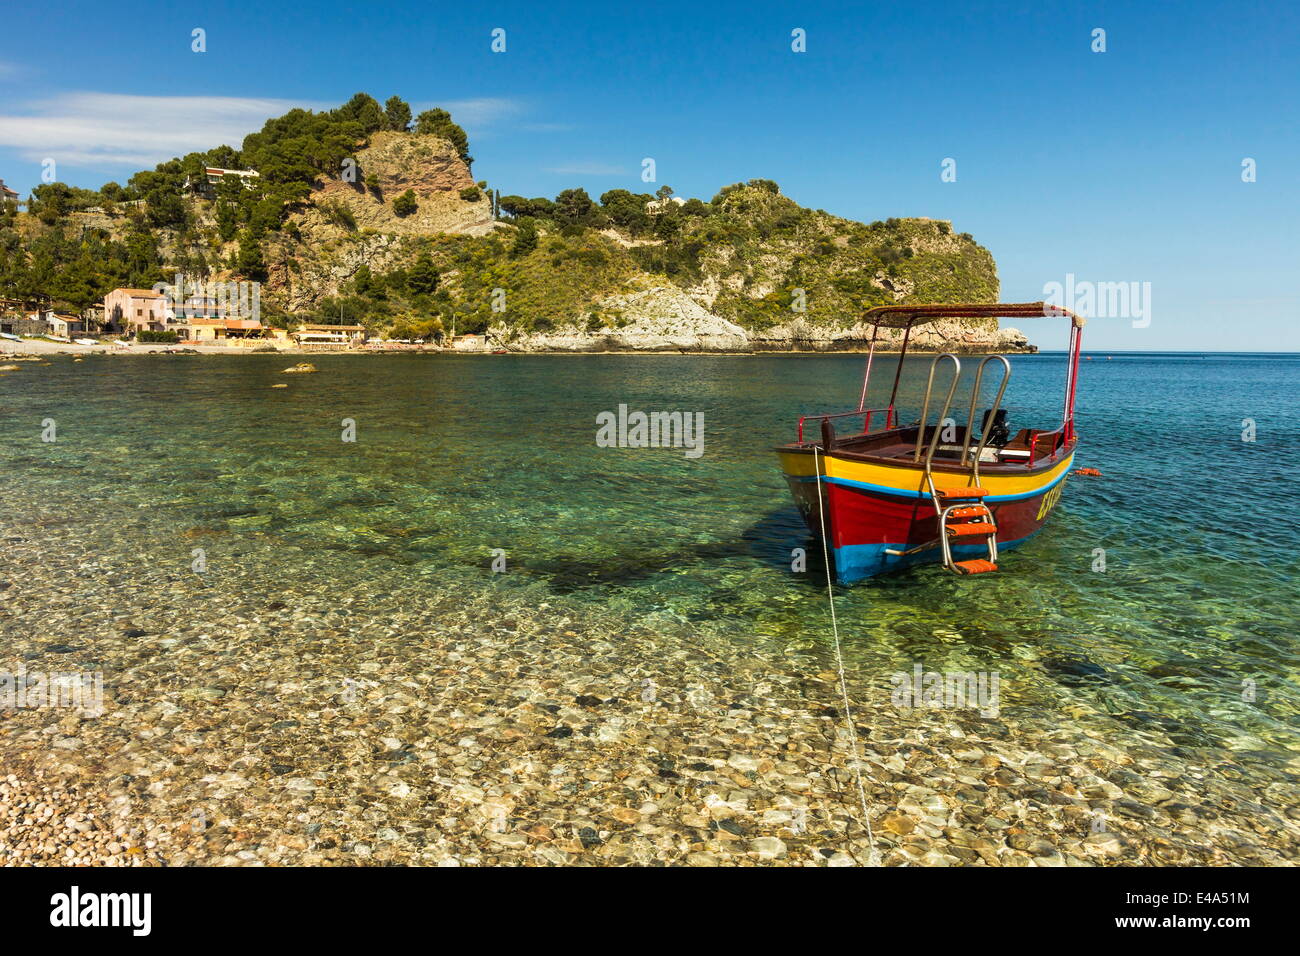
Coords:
pixel 454 457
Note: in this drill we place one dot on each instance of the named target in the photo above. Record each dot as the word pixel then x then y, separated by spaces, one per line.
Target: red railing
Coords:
pixel 1058 439
pixel 891 418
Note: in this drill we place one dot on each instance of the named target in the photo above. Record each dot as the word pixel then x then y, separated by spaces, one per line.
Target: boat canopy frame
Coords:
pixel 906 317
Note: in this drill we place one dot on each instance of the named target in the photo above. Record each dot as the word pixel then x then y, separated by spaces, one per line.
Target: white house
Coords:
pixel 207 185
pixel 655 205
pixel 58 324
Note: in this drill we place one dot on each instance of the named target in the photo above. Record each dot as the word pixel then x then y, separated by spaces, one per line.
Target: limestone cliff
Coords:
pixel 350 224
pixel 667 319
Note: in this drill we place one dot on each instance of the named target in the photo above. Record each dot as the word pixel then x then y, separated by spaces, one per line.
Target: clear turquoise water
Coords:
pixel 457 456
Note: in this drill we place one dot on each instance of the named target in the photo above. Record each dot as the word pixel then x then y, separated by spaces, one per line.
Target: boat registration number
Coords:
pixel 1049 500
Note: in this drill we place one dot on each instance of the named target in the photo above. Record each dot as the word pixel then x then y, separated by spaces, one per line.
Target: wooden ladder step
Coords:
pixel 958 493
pixel 974 566
pixel 971 527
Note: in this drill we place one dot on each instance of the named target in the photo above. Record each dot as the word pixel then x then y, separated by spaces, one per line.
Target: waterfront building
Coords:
pixel 135 310
pixel 329 336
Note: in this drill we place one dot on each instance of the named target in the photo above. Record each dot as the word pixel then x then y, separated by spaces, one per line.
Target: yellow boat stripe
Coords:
pixel 911 478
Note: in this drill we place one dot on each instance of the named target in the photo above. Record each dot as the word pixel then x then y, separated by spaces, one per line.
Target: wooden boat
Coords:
pixel 908 494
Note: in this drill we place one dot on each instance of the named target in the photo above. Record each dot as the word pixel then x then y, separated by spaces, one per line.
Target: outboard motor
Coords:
pixel 995 427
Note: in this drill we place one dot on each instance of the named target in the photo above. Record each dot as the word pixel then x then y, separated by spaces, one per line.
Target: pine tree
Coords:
pixel 525 239
pixel 249 262
pixel 422 279
pixel 398 114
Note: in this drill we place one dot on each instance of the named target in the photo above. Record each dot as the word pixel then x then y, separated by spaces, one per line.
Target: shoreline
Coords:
pixel 41 348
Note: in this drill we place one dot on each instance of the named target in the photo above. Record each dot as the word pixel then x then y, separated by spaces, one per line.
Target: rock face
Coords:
pixel 660 319
pixel 945 335
pixel 667 319
pixel 326 261
pixel 331 249
pixel 426 165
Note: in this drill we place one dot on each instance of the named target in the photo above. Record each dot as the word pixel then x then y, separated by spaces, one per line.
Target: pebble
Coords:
pixel 398 721
pixel 768 848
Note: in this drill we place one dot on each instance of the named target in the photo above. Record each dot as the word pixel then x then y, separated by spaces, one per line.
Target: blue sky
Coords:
pixel 1122 166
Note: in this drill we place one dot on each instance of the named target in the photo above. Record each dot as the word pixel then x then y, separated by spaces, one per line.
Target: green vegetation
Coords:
pixel 758 254
pixel 439 123
pixel 525 239
pixel 760 247
pixel 293 154
pixel 454 279
pixel 397 114
pixel 152 335
pixel 73 266
pixel 341 215
pixel 405 204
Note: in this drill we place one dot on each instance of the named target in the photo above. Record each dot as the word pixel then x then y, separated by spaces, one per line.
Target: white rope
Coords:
pixel 873 857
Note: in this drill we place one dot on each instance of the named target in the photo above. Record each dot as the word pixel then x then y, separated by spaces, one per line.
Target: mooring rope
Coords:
pixel 873 857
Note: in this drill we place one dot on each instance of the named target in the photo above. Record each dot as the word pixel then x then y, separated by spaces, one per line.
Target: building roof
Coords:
pixel 141 293
pixel 237 324
pixel 331 328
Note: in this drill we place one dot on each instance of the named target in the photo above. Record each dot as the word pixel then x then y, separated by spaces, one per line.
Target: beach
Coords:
pixel 414 725
pixel 48 347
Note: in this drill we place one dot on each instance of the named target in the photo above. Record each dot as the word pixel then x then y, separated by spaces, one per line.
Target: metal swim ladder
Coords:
pixel 961 512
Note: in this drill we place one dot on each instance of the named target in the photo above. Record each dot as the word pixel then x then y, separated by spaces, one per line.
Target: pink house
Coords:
pixel 136 309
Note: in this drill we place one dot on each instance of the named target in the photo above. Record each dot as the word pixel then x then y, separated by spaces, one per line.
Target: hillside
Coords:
pixel 364 213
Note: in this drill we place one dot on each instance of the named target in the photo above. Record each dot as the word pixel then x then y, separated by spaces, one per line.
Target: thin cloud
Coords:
pixel 474 114
pixel 116 129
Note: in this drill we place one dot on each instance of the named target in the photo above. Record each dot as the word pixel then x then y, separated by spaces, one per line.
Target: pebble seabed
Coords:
pixel 339 712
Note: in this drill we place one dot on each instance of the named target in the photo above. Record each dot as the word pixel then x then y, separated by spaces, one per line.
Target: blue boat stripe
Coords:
pixel 854 562
pixel 900 493
pixel 956 548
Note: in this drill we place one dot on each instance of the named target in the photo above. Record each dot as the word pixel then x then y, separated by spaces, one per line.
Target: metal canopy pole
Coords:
pixel 1072 382
pixel 871 352
pixel 898 373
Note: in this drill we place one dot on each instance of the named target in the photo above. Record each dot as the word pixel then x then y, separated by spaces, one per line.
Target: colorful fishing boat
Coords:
pixel 908 494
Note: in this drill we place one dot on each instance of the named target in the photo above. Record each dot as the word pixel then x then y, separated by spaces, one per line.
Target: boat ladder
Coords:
pixel 963 518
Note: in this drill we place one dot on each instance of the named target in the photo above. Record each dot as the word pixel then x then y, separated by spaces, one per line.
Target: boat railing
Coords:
pixel 1057 440
pixel 925 407
pixel 985 431
pixel 891 418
